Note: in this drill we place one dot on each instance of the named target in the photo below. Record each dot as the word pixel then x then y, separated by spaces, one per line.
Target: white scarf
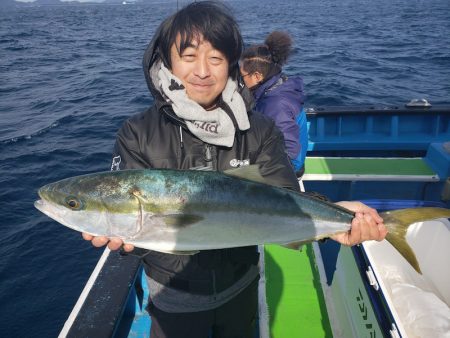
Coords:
pixel 212 126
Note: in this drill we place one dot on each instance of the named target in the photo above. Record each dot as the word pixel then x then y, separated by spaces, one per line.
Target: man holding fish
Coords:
pixel 201 119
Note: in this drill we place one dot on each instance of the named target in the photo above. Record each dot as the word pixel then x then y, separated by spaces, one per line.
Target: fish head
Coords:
pixel 96 204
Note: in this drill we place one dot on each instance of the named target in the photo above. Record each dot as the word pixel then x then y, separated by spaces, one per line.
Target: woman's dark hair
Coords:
pixel 209 19
pixel 268 57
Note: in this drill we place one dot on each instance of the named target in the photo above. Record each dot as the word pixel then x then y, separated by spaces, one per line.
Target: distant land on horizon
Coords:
pixel 10 3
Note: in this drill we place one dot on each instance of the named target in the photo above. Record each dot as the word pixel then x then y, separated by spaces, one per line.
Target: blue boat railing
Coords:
pixel 109 306
pixel 377 128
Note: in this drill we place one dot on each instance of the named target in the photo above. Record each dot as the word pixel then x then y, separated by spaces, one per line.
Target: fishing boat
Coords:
pixel 390 157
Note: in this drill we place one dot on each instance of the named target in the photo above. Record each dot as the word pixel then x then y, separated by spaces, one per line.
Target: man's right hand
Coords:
pixel 113 243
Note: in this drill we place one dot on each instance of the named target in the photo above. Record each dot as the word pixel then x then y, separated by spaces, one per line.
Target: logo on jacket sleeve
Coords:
pixel 115 165
pixel 235 163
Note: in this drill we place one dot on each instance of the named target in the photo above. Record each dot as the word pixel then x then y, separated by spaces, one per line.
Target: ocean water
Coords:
pixel 70 75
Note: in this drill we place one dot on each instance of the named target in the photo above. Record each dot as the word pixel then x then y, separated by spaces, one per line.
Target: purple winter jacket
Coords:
pixel 281 98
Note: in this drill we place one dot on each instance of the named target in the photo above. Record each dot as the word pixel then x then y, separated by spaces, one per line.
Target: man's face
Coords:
pixel 202 69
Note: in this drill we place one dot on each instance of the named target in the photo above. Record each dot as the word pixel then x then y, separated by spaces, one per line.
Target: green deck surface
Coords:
pixel 294 295
pixel 368 166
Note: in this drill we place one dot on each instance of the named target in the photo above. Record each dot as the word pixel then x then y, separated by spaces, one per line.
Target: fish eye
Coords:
pixel 73 203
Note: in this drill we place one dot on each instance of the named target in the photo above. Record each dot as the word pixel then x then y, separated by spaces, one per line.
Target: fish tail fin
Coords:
pixel 398 222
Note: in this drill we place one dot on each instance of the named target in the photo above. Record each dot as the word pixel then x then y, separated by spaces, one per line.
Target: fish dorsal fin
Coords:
pixel 202 168
pixel 248 172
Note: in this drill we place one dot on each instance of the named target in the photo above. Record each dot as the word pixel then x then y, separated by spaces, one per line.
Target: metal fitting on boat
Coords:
pixel 418 103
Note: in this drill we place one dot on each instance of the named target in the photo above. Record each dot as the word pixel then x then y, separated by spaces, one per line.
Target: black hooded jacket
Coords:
pixel 157 138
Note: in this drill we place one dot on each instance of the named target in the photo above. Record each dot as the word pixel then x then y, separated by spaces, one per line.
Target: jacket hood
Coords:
pixel 151 56
pixel 283 86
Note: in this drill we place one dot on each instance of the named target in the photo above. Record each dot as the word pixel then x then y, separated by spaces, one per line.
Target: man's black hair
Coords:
pixel 209 19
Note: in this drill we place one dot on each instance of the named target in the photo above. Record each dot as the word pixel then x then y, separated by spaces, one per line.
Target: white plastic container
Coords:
pixel 420 304
pixel 375 292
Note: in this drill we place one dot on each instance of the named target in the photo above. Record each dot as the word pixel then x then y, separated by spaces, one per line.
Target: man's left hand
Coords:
pixel 367 225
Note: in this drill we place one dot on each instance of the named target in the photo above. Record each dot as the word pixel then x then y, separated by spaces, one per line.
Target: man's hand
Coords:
pixel 367 225
pixel 113 243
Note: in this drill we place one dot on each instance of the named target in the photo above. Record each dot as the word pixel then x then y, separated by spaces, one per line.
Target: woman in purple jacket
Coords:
pixel 276 95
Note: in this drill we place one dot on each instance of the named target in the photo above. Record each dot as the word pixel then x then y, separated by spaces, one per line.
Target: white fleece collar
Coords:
pixel 212 126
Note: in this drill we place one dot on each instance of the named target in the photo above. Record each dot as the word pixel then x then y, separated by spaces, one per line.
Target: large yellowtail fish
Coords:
pixel 184 211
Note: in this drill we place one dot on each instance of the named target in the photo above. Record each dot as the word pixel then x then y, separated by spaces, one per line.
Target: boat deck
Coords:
pixel 294 293
pixel 370 169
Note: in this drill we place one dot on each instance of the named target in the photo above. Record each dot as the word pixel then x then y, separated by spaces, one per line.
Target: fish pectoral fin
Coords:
pixel 177 221
pixel 140 220
pixel 398 222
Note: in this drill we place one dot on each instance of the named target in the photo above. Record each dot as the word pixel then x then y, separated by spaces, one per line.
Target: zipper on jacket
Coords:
pixel 181 138
pixel 208 156
pixel 213 273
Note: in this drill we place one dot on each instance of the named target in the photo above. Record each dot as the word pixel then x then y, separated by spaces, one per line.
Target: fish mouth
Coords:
pixel 53 211
pixel 44 207
pixel 40 205
pixel 47 208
